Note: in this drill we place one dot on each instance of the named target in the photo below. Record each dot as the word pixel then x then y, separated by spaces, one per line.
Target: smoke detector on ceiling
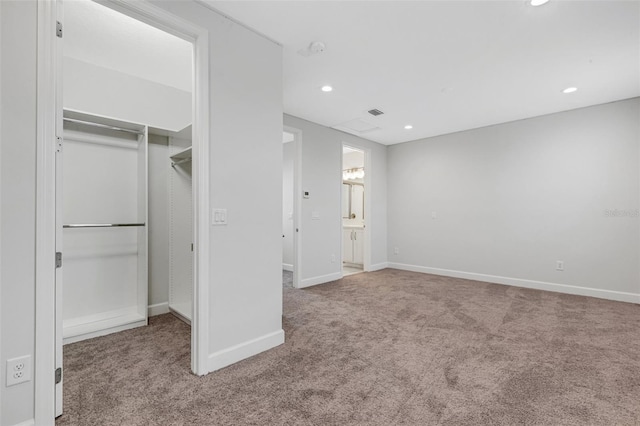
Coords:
pixel 315 48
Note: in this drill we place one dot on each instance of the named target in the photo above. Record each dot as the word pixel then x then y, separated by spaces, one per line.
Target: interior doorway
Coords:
pixel 354 213
pixel 291 250
pixel 288 230
pixel 127 205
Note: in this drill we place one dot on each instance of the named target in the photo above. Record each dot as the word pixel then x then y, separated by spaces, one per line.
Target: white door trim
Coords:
pixel 47 73
pixel 297 205
pixel 45 290
pixel 368 185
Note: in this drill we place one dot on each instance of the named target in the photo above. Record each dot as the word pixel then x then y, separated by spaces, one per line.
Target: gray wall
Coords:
pixel 511 200
pixel 17 200
pixel 322 176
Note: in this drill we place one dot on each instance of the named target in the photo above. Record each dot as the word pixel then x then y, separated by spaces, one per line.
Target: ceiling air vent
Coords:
pixel 375 112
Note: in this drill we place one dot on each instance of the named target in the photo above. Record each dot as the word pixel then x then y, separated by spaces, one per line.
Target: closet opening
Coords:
pixel 124 185
pixel 353 210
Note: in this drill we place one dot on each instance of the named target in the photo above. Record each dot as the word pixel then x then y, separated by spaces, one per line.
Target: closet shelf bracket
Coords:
pixel 181 157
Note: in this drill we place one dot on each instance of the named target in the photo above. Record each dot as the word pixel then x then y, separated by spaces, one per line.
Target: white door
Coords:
pixel 59 220
pixel 59 270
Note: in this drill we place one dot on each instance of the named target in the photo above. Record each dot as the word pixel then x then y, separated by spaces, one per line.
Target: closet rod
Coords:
pixel 101 225
pixel 103 126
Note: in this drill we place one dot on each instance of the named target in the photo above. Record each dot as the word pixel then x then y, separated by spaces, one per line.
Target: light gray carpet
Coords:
pixel 383 348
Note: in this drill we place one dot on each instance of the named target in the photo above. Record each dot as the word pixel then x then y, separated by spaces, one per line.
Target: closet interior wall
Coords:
pixel 103 194
pixel 159 196
pixel 171 223
pixel 115 277
pixel 180 229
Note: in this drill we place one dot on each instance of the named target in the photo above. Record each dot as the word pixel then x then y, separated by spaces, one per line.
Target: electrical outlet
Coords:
pixel 396 251
pixel 333 258
pixel 560 265
pixel 18 370
pixel 434 215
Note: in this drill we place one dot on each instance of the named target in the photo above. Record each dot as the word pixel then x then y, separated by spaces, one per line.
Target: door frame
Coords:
pixel 297 204
pixel 47 129
pixel 366 266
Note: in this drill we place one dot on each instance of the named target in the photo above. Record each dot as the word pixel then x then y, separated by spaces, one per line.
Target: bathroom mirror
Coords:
pixel 352 200
pixel 346 201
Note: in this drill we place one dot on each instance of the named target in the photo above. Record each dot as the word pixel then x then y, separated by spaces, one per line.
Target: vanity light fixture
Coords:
pixel 408 127
pixel 350 174
pixel 570 90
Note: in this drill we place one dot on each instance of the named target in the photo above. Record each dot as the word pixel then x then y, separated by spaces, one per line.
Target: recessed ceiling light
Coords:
pixel 570 90
pixel 327 88
pixel 538 2
pixel 408 127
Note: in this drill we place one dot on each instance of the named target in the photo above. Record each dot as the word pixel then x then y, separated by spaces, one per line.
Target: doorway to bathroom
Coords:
pixel 353 210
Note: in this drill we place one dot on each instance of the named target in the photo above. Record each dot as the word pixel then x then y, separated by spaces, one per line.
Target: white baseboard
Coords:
pixel 30 422
pixel 308 282
pixel 104 331
pixel 180 313
pixel 378 266
pixel 619 296
pixel 158 309
pixel 225 357
pixel 96 325
pixel 287 267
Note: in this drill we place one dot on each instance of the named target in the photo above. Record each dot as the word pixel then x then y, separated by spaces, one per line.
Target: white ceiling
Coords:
pixel 447 66
pixel 104 37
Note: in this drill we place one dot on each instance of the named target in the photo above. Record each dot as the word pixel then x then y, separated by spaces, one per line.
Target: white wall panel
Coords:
pixel 109 93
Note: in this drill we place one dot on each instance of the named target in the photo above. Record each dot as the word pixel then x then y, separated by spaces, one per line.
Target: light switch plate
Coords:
pixel 219 217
